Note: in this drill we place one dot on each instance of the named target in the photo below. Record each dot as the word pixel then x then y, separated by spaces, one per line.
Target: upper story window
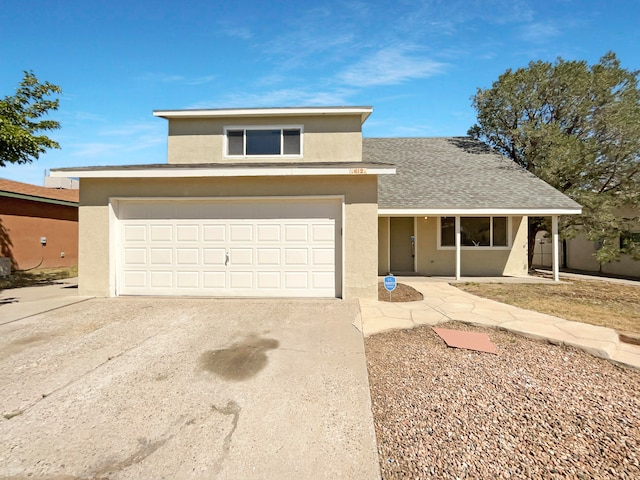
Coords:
pixel 475 232
pixel 263 141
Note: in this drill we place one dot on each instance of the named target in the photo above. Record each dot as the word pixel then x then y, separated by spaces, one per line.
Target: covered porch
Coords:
pixel 459 244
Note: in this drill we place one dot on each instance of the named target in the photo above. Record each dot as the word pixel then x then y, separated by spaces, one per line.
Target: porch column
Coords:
pixel 458 241
pixel 555 261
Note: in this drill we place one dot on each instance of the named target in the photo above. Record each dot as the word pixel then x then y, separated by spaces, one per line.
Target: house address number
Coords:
pixel 358 171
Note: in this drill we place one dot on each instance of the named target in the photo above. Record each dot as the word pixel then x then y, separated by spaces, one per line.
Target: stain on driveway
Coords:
pixel 173 388
pixel 240 361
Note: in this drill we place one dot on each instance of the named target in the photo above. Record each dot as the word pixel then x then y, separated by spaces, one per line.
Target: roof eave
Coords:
pixel 478 212
pixel 363 111
pixel 248 171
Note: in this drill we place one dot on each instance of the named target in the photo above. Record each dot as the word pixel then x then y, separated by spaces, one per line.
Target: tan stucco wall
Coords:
pixel 431 261
pixel 325 139
pixel 360 219
pixel 580 256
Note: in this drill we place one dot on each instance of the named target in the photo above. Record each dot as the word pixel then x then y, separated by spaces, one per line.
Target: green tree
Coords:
pixel 21 125
pixel 576 126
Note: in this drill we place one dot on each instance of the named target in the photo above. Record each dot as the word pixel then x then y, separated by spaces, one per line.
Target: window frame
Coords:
pixel 479 247
pixel 244 128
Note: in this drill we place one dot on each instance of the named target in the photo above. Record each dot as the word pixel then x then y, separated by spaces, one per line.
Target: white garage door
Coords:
pixel 233 248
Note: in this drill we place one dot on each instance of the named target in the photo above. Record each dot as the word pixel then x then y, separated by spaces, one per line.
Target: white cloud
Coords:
pixel 172 78
pixel 280 98
pixel 539 32
pixel 390 66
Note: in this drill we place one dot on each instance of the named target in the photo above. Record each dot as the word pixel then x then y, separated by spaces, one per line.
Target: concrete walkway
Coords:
pixel 443 302
pixel 18 303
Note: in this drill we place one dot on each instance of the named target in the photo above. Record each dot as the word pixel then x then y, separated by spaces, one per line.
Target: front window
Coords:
pixel 264 141
pixel 475 232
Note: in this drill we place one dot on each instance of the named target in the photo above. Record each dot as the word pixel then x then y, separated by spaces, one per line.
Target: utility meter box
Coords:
pixel 5 267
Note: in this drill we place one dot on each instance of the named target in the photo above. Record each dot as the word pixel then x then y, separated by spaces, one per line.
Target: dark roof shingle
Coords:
pixel 456 173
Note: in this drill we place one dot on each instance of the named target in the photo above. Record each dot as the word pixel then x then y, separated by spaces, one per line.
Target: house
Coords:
pixel 38 225
pixel 579 253
pixel 293 202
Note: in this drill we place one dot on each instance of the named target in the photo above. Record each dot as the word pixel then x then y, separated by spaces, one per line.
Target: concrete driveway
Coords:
pixel 187 388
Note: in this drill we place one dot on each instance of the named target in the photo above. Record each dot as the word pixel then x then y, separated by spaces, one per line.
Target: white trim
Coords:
pixel 458 226
pixel 458 247
pixel 415 244
pixel 388 245
pixel 248 171
pixel 244 128
pixel 477 212
pixel 555 249
pixel 364 112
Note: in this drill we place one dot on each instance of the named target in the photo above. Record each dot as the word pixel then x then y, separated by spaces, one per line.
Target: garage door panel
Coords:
pixel 161 256
pixel 206 249
pixel 240 233
pixel 161 233
pixel 135 233
pixel 187 233
pixel 214 233
pixel 135 279
pixel 268 233
pixel 187 256
pixel 213 256
pixel 296 256
pixel 161 279
pixel 241 280
pixel 268 256
pixel 323 256
pixel 296 233
pixel 322 233
pixel 322 279
pixel 188 279
pixel 214 280
pixel 135 256
pixel 268 280
pixel 296 280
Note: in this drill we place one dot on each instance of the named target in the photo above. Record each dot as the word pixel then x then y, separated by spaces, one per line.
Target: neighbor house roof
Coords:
pixel 26 191
pixel 458 175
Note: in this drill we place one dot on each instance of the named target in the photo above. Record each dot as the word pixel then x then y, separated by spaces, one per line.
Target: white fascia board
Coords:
pixel 222 172
pixel 364 112
pixel 476 212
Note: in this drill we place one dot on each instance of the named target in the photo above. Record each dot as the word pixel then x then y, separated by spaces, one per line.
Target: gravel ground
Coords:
pixel 534 410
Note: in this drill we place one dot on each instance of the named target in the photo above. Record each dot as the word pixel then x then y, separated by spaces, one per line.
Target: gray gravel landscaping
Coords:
pixel 534 410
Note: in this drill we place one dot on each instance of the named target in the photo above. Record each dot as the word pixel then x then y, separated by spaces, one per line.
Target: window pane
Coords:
pixel 448 231
pixel 499 231
pixel 291 142
pixel 235 140
pixel 475 231
pixel 263 142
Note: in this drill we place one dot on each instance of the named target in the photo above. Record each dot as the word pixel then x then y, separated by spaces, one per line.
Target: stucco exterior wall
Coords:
pixel 360 219
pixel 24 222
pixel 487 262
pixel 325 139
pixel 580 256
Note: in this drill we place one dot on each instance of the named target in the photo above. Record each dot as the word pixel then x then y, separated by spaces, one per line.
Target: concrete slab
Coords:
pixel 19 303
pixel 175 388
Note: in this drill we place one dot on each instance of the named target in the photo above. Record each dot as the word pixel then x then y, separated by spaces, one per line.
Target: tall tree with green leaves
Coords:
pixel 22 122
pixel 576 126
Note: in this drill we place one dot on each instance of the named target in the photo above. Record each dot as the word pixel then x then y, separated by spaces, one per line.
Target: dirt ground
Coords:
pixel 600 303
pixel 402 293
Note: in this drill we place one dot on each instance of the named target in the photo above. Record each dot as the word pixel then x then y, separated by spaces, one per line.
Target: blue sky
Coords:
pixel 416 62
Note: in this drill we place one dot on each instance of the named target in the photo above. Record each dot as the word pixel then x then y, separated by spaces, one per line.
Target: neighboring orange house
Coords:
pixel 38 225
